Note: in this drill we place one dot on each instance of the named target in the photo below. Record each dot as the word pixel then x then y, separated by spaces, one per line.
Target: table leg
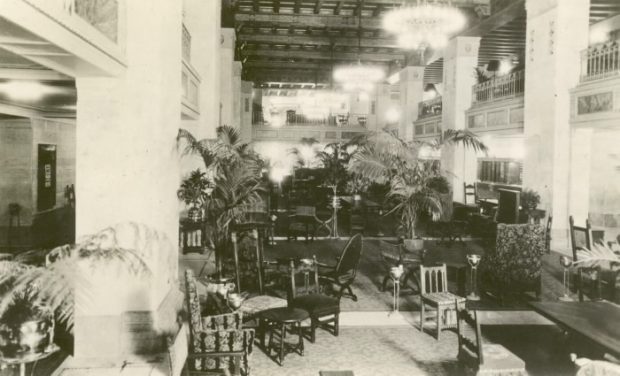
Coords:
pixel 22 369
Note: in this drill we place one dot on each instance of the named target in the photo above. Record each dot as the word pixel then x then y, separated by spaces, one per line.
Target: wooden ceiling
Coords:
pixel 296 43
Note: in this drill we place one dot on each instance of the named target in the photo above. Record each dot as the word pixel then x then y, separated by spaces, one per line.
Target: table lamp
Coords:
pixel 474 261
pixel 566 262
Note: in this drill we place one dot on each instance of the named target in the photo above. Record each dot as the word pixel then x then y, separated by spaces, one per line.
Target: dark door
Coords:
pixel 46 177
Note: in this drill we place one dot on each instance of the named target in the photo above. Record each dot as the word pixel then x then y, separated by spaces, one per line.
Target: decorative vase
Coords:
pixel 26 338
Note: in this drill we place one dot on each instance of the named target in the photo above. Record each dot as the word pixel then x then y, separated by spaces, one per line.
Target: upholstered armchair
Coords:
pixel 516 264
pixel 217 343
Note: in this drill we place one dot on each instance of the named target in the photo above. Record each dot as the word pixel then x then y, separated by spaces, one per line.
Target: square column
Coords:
pixel 411 92
pixel 460 60
pixel 228 73
pixel 203 19
pixel 127 169
pixel 557 31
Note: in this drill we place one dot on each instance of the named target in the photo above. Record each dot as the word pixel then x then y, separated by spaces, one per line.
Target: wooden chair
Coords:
pixel 343 274
pixel 217 343
pixel 324 310
pixel 548 234
pixel 255 303
pixel 587 278
pixel 434 292
pixel 475 354
pixel 394 254
pixel 469 194
pixel 303 222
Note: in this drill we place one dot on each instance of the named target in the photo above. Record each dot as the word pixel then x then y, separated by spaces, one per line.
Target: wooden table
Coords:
pixel 597 321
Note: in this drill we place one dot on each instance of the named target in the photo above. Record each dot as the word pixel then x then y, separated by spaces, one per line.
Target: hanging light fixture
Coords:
pixel 358 76
pixel 424 25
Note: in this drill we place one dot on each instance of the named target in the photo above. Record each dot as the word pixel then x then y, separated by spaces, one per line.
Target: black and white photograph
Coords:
pixel 309 187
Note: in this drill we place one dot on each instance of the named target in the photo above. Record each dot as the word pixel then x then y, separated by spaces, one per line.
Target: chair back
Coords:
pixel 303 272
pixel 548 234
pixel 433 279
pixel 469 335
pixel 350 257
pixel 580 236
pixel 252 257
pixel 469 194
pixel 193 303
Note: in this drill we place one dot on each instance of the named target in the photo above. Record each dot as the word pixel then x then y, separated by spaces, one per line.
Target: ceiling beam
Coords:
pixel 309 20
pixel 323 55
pixel 497 20
pixel 33 74
pixel 316 40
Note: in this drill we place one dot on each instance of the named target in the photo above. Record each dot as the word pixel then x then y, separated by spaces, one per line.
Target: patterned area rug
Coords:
pixel 368 352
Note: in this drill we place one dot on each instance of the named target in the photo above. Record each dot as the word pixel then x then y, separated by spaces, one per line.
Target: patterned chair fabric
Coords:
pixel 516 265
pixel 215 335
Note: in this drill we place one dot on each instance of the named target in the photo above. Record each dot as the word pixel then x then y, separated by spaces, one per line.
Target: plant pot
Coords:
pixel 414 244
pixel 26 338
pixel 194 214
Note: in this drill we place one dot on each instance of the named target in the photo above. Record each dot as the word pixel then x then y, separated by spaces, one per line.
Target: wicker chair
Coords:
pixel 217 343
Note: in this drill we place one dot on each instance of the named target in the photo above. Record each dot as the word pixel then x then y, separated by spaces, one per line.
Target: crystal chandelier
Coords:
pixel 424 24
pixel 358 77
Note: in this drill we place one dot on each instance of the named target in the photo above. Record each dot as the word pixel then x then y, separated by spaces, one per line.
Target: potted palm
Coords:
pixel 415 185
pixel 35 299
pixel 194 191
pixel 236 171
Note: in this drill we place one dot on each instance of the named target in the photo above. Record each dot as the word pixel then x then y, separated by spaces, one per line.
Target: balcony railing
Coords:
pixel 294 119
pixel 430 107
pixel 186 48
pixel 503 87
pixel 600 61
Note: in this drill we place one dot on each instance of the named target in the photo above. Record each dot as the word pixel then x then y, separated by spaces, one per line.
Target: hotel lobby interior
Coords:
pixel 309 187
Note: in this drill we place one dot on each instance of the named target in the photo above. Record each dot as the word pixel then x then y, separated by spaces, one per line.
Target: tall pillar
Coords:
pixel 557 31
pixel 411 91
pixel 580 166
pixel 227 73
pixel 246 111
pixel 460 60
pixel 236 94
pixel 383 105
pixel 204 22
pixel 127 169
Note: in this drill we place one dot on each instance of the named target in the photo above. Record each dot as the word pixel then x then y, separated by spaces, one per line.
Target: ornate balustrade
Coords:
pixel 600 61
pixel 301 120
pixel 503 87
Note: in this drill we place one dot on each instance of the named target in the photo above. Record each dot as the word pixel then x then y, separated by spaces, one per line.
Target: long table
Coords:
pixel 598 321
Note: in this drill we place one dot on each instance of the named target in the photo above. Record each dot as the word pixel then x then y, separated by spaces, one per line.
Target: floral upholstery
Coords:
pixel 226 321
pixel 516 264
pixel 215 334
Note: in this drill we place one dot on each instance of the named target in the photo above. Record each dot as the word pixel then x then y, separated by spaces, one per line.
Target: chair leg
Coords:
pixel 384 284
pixel 313 324
pixel 422 318
pixel 337 324
pixel 350 292
pixel 282 333
pixel 438 323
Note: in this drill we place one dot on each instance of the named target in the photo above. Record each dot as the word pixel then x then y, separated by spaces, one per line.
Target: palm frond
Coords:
pixel 459 136
pixel 599 256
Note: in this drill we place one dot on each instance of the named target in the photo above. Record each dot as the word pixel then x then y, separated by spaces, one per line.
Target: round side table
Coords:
pixel 278 321
pixel 29 358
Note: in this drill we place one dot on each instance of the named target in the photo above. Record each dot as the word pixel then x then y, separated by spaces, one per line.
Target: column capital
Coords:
pixel 412 73
pixel 228 38
pixel 462 47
